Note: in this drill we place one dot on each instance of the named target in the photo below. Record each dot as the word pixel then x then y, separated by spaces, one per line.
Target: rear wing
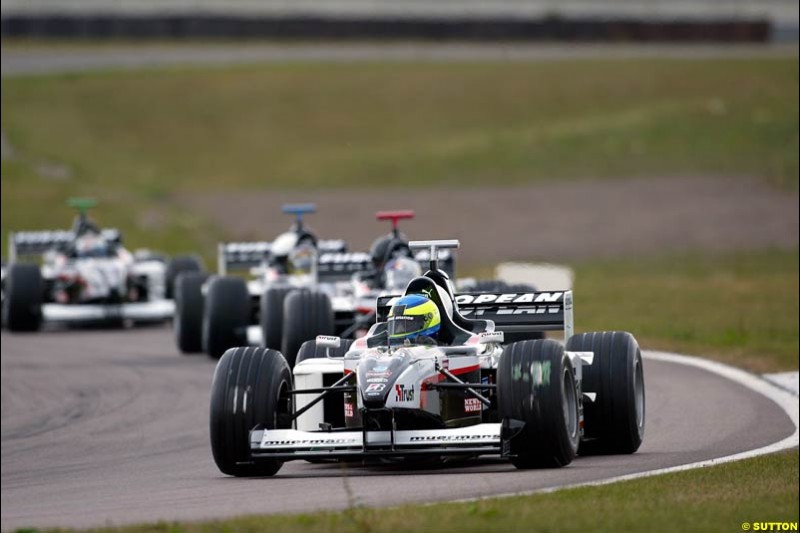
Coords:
pixel 511 312
pixel 35 243
pixel 333 266
pixel 242 256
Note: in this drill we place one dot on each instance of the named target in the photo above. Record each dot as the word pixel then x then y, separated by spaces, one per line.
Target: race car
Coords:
pixel 536 402
pixel 85 276
pixel 301 287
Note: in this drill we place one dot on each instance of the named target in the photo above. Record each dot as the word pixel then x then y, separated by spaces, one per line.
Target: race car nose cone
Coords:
pixel 376 377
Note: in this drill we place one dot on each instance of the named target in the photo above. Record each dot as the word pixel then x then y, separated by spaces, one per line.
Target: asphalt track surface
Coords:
pixel 110 426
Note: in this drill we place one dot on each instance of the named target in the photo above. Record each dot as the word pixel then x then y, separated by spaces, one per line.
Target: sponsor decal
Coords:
pixel 380 368
pixel 511 298
pixel 540 372
pixel 530 310
pixel 375 388
pixel 291 442
pixel 356 257
pixel 452 438
pixel 472 405
pixel 403 393
pixel 377 380
pixel 348 410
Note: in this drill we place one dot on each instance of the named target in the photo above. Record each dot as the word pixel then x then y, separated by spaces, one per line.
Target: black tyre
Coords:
pixel 271 318
pixel 189 304
pixel 310 350
pixel 227 315
pixel 614 422
pixel 536 385
pixel 176 266
pixel 251 387
pixel 306 314
pixel 22 307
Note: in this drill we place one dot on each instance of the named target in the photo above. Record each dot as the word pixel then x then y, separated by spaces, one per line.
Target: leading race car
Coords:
pixel 463 393
pixel 86 275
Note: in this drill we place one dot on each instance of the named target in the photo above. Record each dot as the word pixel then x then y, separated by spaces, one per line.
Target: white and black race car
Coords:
pixel 85 275
pixel 300 287
pixel 537 402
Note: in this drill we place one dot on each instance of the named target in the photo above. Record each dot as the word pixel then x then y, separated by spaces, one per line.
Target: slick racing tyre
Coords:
pixel 227 315
pixel 614 422
pixel 251 387
pixel 536 386
pixel 310 350
pixel 178 265
pixel 271 319
pixel 22 307
pixel 188 321
pixel 306 314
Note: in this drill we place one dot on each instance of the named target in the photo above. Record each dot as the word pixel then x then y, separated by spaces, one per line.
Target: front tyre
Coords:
pixel 189 303
pixel 614 422
pixel 227 315
pixel 22 307
pixel 536 385
pixel 251 387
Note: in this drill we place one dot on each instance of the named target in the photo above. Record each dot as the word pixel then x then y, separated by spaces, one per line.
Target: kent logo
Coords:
pixel 403 393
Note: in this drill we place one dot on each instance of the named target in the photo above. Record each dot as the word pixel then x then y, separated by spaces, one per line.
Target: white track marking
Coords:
pixel 785 400
pixel 786 380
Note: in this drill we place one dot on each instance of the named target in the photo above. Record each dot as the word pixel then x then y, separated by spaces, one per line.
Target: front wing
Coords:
pixel 290 444
pixel 157 310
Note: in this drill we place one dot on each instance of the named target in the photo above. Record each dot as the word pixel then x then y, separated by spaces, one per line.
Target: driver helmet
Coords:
pixel 412 317
pixel 91 245
pixel 301 258
pixel 399 272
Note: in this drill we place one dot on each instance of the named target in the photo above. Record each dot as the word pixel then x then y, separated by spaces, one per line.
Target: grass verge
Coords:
pixel 713 499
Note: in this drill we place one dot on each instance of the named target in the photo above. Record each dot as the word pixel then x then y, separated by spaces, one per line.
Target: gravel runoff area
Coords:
pixel 555 221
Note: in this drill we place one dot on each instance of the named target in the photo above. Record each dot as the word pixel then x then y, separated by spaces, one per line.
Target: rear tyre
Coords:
pixel 188 322
pixel 178 265
pixel 536 385
pixel 305 315
pixel 271 319
pixel 22 307
pixel 310 350
pixel 615 421
pixel 227 315
pixel 251 387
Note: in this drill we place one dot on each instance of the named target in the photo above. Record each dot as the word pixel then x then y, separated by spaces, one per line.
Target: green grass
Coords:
pixel 741 309
pixel 715 499
pixel 406 124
